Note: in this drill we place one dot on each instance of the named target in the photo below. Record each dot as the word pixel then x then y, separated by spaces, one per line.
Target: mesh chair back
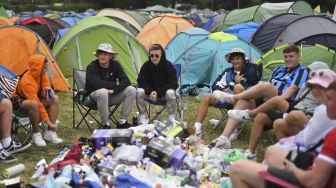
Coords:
pixel 79 78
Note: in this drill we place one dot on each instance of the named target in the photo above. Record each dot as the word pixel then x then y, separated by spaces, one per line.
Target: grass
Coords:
pixel 32 155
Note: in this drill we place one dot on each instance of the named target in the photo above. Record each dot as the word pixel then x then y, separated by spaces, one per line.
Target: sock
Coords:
pixel 122 121
pixel 197 126
pixel 6 142
pixel 171 118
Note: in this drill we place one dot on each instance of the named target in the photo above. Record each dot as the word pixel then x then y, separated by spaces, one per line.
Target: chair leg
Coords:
pixel 223 118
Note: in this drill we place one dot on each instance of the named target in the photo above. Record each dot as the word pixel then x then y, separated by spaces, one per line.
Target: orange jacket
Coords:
pixel 32 83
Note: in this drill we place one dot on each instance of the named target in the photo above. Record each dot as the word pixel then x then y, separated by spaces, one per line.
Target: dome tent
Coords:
pixel 75 48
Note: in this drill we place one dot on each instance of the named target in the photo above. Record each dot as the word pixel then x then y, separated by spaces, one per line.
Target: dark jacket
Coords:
pixel 112 77
pixel 159 78
pixel 249 72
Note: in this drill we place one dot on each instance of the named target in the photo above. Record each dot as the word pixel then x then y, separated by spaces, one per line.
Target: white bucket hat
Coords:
pixel 106 47
pixel 234 51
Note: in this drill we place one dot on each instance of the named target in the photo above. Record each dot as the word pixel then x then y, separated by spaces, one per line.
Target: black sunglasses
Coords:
pixel 154 55
pixel 315 74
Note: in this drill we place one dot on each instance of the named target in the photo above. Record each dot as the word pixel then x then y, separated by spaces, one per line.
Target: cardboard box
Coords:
pixel 159 151
pixel 116 137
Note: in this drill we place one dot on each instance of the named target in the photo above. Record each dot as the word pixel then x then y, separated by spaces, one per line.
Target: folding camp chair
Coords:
pixel 226 106
pixel 162 102
pixel 85 109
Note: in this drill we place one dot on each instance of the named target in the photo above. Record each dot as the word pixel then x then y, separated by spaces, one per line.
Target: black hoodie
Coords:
pixel 159 78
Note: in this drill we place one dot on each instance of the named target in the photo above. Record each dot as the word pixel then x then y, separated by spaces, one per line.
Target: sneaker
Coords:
pixel 38 140
pixel 223 97
pixel 16 146
pixel 5 157
pixel 223 142
pixel 240 115
pixel 250 156
pixel 125 125
pixel 234 135
pixel 52 137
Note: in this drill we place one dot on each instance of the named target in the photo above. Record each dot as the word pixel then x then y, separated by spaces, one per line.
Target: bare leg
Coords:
pixel 260 121
pixel 33 113
pixel 5 118
pixel 274 156
pixel 244 173
pixel 261 90
pixel 53 108
pixel 276 103
pixel 294 122
pixel 232 124
pixel 207 100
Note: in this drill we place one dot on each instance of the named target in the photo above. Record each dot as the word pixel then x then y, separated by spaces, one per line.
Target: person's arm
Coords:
pixel 291 90
pixel 122 77
pixel 143 79
pixel 172 80
pixel 297 80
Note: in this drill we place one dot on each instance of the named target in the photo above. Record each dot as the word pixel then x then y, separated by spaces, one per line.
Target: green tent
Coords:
pixel 3 12
pixel 75 49
pixel 260 13
pixel 309 54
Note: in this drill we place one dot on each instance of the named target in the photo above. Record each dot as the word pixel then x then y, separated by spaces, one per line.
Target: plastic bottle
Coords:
pixel 13 171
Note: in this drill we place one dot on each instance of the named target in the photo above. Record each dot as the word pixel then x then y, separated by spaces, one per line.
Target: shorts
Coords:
pixel 283 175
pixel 222 105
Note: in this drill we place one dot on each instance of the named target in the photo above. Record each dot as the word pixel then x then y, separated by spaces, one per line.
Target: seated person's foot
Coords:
pixel 16 146
pixel 5 157
pixel 223 97
pixel 105 127
pixel 38 140
pixel 234 135
pixel 240 115
pixel 52 137
pixel 125 125
pixel 250 156
pixel 223 142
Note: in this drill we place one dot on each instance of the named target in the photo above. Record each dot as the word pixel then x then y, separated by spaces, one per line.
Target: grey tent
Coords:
pixel 295 29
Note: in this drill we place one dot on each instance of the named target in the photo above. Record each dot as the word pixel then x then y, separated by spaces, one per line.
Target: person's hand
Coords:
pixel 238 78
pixel 153 96
pixel 289 166
pixel 110 91
pixel 238 88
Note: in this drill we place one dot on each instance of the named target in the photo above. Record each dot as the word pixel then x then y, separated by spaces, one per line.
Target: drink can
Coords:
pixel 47 91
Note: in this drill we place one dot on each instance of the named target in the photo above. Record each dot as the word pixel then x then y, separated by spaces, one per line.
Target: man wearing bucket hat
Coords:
pixel 107 85
pixel 272 112
pixel 235 79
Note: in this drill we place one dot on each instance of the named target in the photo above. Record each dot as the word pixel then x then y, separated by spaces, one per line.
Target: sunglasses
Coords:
pixel 154 55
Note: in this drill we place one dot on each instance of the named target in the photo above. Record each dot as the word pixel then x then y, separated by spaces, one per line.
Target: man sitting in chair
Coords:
pixel 31 92
pixel 107 84
pixel 157 80
pixel 8 145
pixel 235 79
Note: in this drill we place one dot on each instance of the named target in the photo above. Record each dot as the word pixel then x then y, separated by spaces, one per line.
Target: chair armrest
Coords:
pixel 269 177
pixel 79 95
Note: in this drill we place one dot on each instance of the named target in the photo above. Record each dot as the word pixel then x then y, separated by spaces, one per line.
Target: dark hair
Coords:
pixel 332 85
pixel 155 47
pixel 291 48
pixel 237 54
pixel 100 51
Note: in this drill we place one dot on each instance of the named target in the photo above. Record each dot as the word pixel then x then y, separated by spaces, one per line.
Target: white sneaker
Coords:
pixel 223 142
pixel 52 137
pixel 240 115
pixel 234 135
pixel 223 97
pixel 38 140
pixel 250 156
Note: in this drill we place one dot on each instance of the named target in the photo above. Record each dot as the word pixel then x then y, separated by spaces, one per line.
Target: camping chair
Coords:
pixel 226 106
pixel 20 121
pixel 161 103
pixel 84 109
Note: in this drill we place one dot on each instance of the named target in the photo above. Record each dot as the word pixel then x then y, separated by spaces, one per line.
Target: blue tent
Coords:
pixel 207 26
pixel 183 40
pixel 243 30
pixel 70 19
pixel 204 60
pixel 4 71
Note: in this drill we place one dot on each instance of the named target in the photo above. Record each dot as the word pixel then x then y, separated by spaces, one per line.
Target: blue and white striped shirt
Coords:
pixel 282 78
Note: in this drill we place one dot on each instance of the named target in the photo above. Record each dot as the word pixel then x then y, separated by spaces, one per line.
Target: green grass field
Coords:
pixel 32 155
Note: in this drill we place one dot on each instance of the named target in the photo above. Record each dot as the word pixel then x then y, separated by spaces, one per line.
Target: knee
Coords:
pixel 31 104
pixel 260 119
pixel 170 94
pixel 6 103
pixel 101 93
pixel 238 167
pixel 207 98
pixel 277 99
pixel 217 94
pixel 130 91
pixel 140 92
pixel 55 100
pixel 269 151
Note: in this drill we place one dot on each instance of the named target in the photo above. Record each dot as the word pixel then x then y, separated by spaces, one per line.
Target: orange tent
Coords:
pixel 161 29
pixel 18 44
pixel 5 21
